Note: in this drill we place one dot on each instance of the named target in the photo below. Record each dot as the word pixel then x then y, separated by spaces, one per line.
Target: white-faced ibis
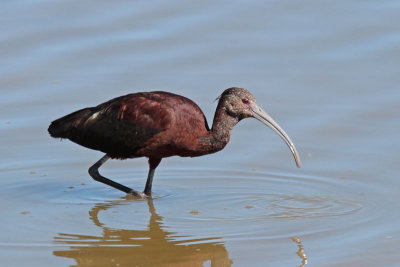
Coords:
pixel 157 125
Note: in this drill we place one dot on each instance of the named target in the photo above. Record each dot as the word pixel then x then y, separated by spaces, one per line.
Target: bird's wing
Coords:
pixel 122 126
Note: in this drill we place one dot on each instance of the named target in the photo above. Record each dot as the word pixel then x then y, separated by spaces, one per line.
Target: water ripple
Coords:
pixel 255 195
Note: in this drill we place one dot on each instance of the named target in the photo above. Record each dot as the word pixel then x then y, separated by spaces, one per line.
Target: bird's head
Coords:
pixel 241 104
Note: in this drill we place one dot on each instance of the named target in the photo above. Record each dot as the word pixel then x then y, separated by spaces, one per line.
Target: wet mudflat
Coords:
pixel 327 72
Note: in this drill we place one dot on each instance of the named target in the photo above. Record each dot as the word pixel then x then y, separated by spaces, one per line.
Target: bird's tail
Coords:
pixel 64 127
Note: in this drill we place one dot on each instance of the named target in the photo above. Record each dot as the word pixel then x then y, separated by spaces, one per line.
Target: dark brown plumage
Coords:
pixel 158 125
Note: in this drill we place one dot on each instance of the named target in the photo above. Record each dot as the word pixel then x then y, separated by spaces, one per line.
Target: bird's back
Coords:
pixel 135 125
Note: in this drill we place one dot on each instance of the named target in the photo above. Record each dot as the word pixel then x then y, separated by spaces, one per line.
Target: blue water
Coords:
pixel 328 72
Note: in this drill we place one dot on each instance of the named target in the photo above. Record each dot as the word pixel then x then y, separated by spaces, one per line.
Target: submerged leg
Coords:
pixel 153 163
pixel 94 172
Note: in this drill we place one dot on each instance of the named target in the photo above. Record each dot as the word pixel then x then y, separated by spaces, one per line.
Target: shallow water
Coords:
pixel 327 72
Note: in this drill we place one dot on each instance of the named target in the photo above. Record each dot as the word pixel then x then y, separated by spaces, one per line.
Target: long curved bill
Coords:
pixel 262 116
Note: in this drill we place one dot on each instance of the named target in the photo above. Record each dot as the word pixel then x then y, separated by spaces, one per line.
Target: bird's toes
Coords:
pixel 138 194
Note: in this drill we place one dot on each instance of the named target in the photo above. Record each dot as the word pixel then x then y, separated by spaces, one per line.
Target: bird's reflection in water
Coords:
pixel 300 252
pixel 151 247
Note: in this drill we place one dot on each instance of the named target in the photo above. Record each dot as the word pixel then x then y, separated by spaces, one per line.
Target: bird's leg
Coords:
pixel 153 163
pixel 94 172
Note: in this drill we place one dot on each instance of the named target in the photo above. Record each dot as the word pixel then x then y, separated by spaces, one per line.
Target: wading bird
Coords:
pixel 157 125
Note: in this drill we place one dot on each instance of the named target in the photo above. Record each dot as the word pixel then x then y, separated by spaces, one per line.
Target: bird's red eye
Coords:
pixel 245 101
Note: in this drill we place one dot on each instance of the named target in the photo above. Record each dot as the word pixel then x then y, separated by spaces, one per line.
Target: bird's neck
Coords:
pixel 220 132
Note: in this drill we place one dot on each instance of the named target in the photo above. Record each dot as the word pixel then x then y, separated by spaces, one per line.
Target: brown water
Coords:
pixel 328 72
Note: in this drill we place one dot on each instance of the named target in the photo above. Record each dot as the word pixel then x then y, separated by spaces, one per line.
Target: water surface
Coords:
pixel 327 72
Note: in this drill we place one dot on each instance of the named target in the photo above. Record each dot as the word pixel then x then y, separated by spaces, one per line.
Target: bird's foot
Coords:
pixel 138 194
